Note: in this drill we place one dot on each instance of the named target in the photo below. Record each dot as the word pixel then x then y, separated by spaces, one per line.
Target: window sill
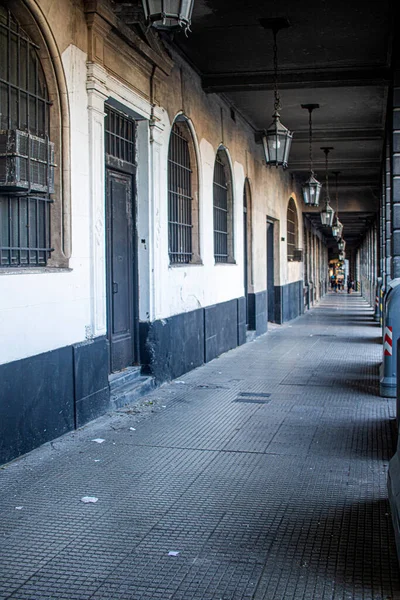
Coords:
pixel 33 270
pixel 224 264
pixel 180 265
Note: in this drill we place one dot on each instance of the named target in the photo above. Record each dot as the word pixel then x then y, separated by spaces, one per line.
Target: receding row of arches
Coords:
pixel 31 228
pixel 183 203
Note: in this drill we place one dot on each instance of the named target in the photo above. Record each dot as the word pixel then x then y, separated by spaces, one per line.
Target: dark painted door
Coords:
pixel 245 261
pixel 270 271
pixel 120 261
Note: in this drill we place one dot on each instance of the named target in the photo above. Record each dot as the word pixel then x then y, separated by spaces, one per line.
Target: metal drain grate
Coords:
pixel 253 398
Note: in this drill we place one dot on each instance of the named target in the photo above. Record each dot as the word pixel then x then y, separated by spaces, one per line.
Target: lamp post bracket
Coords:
pixel 310 107
pixel 275 23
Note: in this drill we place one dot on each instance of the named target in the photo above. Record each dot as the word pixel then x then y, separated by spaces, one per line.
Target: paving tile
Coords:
pixel 284 500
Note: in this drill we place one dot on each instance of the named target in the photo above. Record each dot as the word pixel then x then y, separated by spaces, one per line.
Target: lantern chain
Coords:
pixel 326 173
pixel 310 125
pixel 277 103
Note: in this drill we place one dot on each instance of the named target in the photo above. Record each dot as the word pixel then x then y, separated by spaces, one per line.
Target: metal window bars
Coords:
pixel 24 111
pixel 291 229
pixel 180 199
pixel 221 209
pixel 120 133
pixel 24 230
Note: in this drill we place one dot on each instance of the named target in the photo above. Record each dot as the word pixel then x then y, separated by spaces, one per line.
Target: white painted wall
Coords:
pixel 42 310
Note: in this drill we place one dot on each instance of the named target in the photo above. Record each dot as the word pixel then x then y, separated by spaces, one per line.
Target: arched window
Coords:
pixel 292 230
pixel 26 153
pixel 223 209
pixel 183 238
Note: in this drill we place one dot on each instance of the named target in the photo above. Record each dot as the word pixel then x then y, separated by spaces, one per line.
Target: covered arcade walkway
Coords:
pixel 263 472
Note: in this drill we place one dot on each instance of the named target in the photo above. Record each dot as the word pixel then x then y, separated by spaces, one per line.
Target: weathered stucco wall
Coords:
pixel 43 310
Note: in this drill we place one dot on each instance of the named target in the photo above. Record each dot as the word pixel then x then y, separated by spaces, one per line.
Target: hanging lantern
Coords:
pixel 312 187
pixel 277 139
pixel 341 245
pixel 341 256
pixel 327 213
pixel 337 228
pixel 168 14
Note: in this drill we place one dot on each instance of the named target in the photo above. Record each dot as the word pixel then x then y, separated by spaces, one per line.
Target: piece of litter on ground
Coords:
pixel 19 507
pixel 310 334
pixel 132 429
pixel 163 406
pixel 180 382
pixel 173 553
pixel 98 440
pixel 96 460
pixel 89 499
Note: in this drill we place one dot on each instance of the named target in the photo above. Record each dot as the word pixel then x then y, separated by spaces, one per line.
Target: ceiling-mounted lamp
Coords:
pixel 312 187
pixel 327 213
pixel 342 256
pixel 341 245
pixel 168 14
pixel 337 227
pixel 277 139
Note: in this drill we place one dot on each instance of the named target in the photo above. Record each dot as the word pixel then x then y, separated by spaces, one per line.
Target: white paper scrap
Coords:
pixel 89 500
pixel 132 429
pixel 19 507
pixel 173 553
pixel 98 440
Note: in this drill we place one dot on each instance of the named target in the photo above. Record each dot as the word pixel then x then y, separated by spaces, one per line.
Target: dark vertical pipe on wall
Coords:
pixel 388 216
pixel 395 169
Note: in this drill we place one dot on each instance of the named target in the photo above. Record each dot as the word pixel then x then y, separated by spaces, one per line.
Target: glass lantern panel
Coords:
pixel 307 194
pixel 288 144
pixel 153 7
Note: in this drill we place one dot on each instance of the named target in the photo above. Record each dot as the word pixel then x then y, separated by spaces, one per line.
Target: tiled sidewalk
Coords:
pixel 265 471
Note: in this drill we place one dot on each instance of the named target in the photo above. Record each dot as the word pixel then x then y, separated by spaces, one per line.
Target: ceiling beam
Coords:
pixel 352 165
pixel 338 134
pixel 315 78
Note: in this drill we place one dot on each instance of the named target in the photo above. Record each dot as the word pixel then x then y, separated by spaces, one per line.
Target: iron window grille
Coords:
pixel 26 159
pixel 25 230
pixel 180 198
pixel 220 212
pixel 120 132
pixel 291 230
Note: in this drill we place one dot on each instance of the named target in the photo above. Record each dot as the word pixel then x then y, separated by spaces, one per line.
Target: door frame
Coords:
pixel 125 168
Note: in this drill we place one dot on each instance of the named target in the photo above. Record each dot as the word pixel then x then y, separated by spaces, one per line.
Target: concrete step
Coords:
pixel 128 387
pixel 128 375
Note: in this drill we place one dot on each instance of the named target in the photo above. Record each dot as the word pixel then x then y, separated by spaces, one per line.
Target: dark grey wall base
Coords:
pixel 45 396
pixel 92 392
pixel 289 302
pixel 172 346
pixel 220 329
pixel 394 495
pixel 258 308
pixel 241 324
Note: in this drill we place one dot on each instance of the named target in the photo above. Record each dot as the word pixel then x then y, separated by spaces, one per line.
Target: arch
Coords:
pixel 183 194
pixel 292 229
pixel 35 25
pixel 223 208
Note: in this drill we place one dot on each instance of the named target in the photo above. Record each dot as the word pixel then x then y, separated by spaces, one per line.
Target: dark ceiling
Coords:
pixel 336 54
